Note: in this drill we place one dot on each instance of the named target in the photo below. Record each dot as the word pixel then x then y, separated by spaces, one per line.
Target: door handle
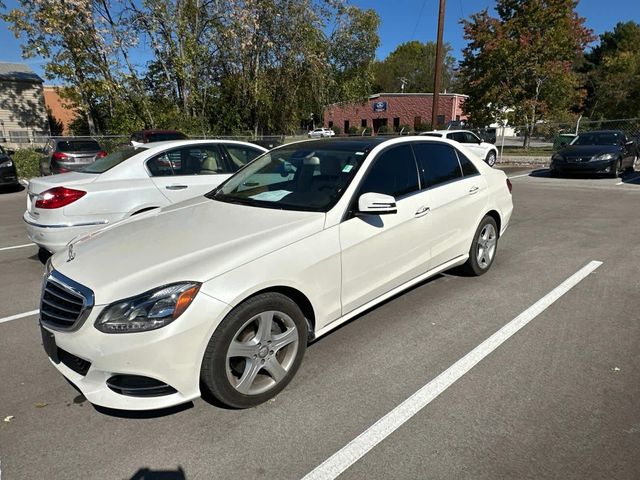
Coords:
pixel 176 187
pixel 422 211
pixel 474 189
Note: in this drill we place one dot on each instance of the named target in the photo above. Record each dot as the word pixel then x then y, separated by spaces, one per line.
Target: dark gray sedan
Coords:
pixel 67 154
pixel 603 151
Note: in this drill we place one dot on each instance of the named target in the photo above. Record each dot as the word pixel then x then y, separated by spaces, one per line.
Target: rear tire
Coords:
pixel 255 351
pixel 483 247
pixel 491 158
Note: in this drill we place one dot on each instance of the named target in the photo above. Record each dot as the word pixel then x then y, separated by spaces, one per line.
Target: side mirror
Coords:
pixel 372 203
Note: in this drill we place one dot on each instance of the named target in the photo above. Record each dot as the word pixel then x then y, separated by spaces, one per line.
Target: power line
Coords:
pixel 418 20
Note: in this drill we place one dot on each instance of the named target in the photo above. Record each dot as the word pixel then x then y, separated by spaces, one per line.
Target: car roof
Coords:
pixel 457 130
pixel 179 143
pixel 347 143
pixel 617 132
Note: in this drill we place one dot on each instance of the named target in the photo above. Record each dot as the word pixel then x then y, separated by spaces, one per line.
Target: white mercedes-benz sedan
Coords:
pixel 127 182
pixel 222 292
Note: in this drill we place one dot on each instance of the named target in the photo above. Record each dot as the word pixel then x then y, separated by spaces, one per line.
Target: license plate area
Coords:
pixel 49 344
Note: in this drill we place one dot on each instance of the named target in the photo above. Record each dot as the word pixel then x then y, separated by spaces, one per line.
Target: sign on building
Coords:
pixel 380 106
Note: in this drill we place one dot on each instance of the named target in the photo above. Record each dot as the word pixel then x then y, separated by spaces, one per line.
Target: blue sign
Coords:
pixel 380 106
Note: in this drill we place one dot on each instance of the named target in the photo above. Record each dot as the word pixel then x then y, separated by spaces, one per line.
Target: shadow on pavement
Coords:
pixel 11 188
pixel 143 414
pixel 148 474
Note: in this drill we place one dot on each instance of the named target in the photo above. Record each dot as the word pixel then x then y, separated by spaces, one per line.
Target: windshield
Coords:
pixel 301 177
pixel 598 138
pixel 78 146
pixel 105 163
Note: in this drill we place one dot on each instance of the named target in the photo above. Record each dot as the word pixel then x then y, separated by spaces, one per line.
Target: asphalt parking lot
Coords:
pixel 560 398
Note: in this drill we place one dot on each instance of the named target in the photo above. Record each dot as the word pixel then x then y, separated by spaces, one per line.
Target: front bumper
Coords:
pixel 603 166
pixel 55 237
pixel 172 355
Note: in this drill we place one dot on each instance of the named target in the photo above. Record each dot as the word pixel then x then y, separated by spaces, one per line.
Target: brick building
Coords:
pixel 394 110
pixel 60 108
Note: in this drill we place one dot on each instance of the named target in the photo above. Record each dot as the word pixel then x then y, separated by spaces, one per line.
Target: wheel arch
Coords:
pixel 298 297
pixel 496 216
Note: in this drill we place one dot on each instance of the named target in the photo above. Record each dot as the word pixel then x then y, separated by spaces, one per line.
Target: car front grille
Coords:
pixel 64 304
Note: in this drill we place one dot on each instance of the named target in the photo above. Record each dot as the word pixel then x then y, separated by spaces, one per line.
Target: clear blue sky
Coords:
pixel 404 20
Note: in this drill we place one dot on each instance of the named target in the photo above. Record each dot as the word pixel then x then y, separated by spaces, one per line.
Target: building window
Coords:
pixel 330 123
pixel 457 118
pixel 417 123
pixel 396 123
pixel 346 126
pixel 440 119
pixel 363 122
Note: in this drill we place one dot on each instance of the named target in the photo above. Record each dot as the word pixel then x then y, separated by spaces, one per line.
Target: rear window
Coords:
pixel 105 163
pixel 161 137
pixel 78 146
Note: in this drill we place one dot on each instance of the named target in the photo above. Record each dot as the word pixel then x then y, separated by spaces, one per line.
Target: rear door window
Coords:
pixel 438 163
pixel 239 155
pixel 195 160
pixel 468 168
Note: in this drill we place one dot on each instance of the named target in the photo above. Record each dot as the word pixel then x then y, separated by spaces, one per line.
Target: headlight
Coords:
pixel 605 156
pixel 148 311
pixel 6 163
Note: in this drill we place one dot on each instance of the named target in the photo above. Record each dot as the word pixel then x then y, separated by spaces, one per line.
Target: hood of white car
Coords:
pixel 69 180
pixel 194 240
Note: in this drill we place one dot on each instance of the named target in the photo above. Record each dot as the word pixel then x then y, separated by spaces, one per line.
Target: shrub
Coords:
pixel 383 130
pixel 336 129
pixel 27 162
pixel 405 129
pixel 353 130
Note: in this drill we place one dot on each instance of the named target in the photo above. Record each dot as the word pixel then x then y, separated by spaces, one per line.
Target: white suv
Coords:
pixel 483 150
pixel 321 133
pixel 223 291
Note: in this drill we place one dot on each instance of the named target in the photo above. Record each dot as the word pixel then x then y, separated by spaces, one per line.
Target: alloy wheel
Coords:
pixel 262 352
pixel 486 246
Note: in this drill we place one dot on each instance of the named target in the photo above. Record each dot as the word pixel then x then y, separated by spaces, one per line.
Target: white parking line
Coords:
pixel 19 315
pixel 357 448
pixel 16 246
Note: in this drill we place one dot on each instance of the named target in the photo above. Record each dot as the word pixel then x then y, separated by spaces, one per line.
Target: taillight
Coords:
pixel 58 197
pixel 509 186
pixel 101 154
pixel 59 156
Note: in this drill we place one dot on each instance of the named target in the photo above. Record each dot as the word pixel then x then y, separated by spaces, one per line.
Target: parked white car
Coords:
pixel 225 290
pixel 128 182
pixel 321 133
pixel 482 150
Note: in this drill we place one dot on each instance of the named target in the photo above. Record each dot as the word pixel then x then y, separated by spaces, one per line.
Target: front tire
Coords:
pixel 255 352
pixel 491 158
pixel 615 169
pixel 483 248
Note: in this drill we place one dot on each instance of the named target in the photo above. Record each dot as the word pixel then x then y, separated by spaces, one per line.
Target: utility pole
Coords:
pixel 437 73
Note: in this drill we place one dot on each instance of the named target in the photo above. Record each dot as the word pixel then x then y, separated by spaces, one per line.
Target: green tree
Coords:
pixel 613 72
pixel 413 64
pixel 352 50
pixel 523 62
